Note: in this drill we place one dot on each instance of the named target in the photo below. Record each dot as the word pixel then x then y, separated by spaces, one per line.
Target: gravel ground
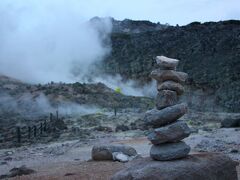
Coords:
pixel 70 159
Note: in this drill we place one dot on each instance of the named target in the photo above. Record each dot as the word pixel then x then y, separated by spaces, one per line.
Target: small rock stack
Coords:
pixel 169 132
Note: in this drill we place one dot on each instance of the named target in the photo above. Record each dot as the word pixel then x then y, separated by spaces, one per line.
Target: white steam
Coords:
pixel 29 106
pixel 44 41
pixel 129 87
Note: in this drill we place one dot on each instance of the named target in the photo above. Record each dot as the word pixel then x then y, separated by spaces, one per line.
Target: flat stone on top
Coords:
pixel 173 132
pixel 166 63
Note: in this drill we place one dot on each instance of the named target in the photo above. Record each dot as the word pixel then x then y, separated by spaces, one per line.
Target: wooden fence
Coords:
pixel 22 134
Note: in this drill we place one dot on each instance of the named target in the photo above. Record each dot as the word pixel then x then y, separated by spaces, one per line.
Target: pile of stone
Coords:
pixel 168 135
pixel 169 131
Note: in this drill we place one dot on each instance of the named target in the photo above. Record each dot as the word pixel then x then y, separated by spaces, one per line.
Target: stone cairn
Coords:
pixel 169 132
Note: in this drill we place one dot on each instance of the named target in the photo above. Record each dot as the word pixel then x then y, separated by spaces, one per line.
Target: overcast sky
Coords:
pixel 166 11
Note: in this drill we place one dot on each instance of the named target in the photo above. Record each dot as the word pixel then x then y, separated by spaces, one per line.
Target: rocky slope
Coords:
pixel 208 52
pixel 30 99
pixel 130 26
pixel 28 105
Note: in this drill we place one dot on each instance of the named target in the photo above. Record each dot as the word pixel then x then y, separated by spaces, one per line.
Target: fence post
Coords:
pixel 115 111
pixel 45 126
pixel 35 131
pixel 51 116
pixel 41 128
pixel 18 135
pixel 29 132
pixel 57 115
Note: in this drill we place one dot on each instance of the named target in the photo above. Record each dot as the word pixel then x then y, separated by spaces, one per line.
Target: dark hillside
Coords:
pixel 209 53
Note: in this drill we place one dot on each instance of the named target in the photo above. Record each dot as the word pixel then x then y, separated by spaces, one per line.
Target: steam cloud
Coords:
pixel 129 87
pixel 29 107
pixel 44 41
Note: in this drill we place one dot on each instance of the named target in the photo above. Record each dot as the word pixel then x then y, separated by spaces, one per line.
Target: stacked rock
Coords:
pixel 169 132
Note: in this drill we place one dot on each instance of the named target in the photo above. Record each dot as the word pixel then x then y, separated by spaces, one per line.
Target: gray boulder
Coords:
pixel 158 118
pixel 230 122
pixel 207 166
pixel 171 85
pixel 168 75
pixel 169 151
pixel 105 152
pixel 166 63
pixel 166 98
pixel 171 133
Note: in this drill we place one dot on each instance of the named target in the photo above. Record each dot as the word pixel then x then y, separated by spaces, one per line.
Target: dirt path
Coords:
pixel 81 171
pixel 74 164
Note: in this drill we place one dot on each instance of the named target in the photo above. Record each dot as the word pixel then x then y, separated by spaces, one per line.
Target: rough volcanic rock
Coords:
pixel 105 152
pixel 166 63
pixel 132 26
pixel 166 98
pixel 171 85
pixel 205 166
pixel 121 127
pixel 168 75
pixel 171 133
pixel 158 118
pixel 23 98
pixel 169 151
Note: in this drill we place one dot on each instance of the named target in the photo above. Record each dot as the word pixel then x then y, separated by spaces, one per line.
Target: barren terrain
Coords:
pixel 72 159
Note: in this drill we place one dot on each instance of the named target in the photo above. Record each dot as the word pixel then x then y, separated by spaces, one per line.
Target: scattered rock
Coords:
pixel 166 63
pixel 69 174
pixel 167 115
pixel 103 128
pixel 171 85
pixel 166 98
pixel 205 166
pixel 23 170
pixel 173 132
pixel 3 163
pixel 206 128
pixel 228 123
pixel 105 152
pixel 133 126
pixel 169 151
pixel 118 156
pixel 168 75
pixel 8 159
pixel 121 127
pixel 8 153
pixel 234 151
